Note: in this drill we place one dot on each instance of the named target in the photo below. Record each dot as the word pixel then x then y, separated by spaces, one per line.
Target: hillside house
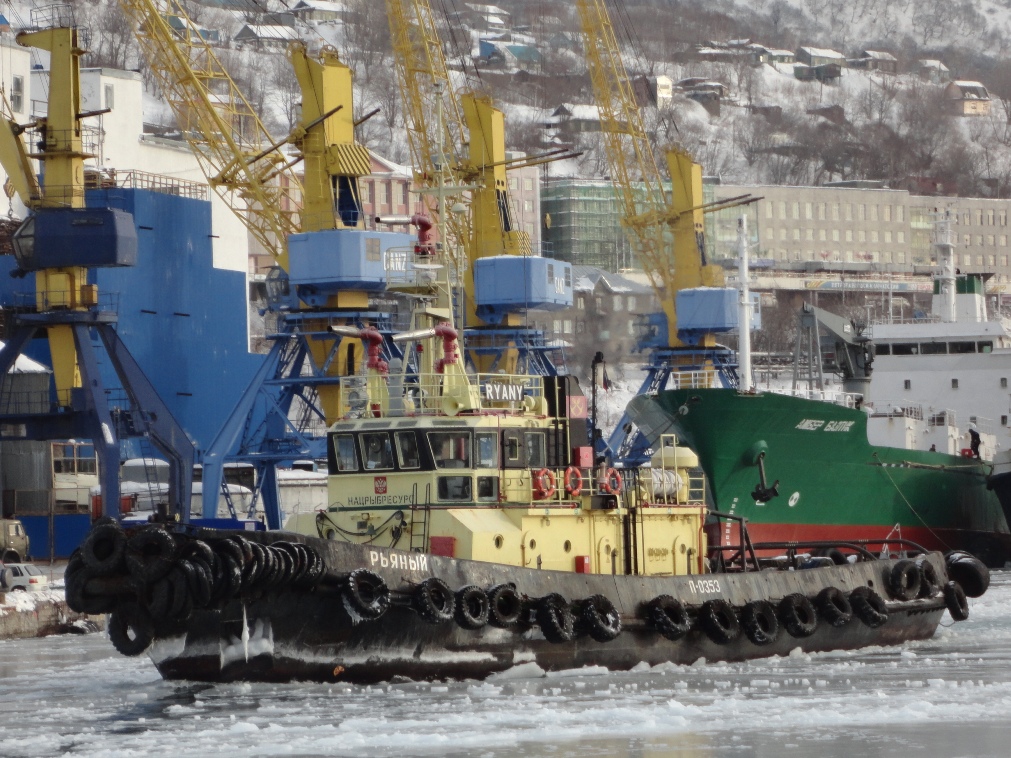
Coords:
pixel 966 98
pixel 653 90
pixel 833 113
pixel 775 55
pixel 817 56
pixel 932 70
pixel 267 37
pixel 574 118
pixel 487 18
pixel 876 60
pixel 322 11
pixel 825 73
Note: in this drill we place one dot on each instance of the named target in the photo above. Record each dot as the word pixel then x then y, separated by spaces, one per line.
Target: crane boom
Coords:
pixel 237 154
pixel 649 215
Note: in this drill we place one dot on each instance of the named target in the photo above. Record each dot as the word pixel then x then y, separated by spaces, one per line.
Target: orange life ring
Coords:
pixel 611 483
pixel 573 481
pixel 544 484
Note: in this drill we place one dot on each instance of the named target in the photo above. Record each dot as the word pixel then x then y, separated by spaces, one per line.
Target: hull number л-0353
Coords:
pixel 704 586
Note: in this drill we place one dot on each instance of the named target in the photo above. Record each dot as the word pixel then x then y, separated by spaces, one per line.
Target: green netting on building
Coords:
pixel 584 224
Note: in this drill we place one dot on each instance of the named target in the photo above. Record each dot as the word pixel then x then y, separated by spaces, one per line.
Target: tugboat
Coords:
pixel 470 529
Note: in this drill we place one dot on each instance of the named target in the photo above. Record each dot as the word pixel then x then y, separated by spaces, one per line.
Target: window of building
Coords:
pixel 580 327
pixel 796 234
pixel 110 96
pixel 989 240
pixel 835 211
pixel 900 258
pixel 782 234
pixel 557 326
pixel 795 211
pixel 862 235
pixel 835 235
pixel 367 192
pixel 381 196
pixel 821 235
pixel 1003 382
pixel 849 235
pixel 1003 240
pixel 782 210
pixel 991 260
pixel 821 211
pixel 631 303
pixel 979 217
pixel 770 233
pixel 900 213
pixel 989 218
pixel 1002 218
pixel 619 301
pixel 528 184
pixel 1003 420
pixel 979 240
pixel 18 94
pixel 513 182
pixel 807 211
pixel 631 328
pixel 966 240
pixel 887 210
pixel 900 237
pixel 528 206
pixel 874 213
pixel 954 384
pixel 907 384
pixel 849 211
pixel 405 194
pixel 888 236
pixel 1003 260
pixel 861 212
pixel 979 260
pixel 768 210
pixel 567 326
pixel 874 235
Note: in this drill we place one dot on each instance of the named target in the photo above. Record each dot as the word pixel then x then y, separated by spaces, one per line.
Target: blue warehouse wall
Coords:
pixel 183 320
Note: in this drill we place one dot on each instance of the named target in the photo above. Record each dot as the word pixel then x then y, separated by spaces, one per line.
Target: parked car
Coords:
pixel 24 577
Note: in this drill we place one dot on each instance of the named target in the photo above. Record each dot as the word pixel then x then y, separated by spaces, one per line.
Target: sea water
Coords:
pixel 948 696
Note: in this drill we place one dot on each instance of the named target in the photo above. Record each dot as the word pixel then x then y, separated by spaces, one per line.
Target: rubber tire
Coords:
pixel 227 580
pixel 834 607
pixel 904 580
pixel 719 621
pixel 150 554
pixel 930 582
pixel 10 556
pixel 869 607
pixel 838 556
pixel 759 621
pixel 6 577
pixel 181 577
pixel 505 607
pixel 78 600
pixel 669 617
pixel 296 561
pixel 970 572
pixel 230 548
pixel 954 600
pixel 434 601
pixel 797 615
pixel 201 583
pixel 471 607
pixel 316 567
pixel 600 619
pixel 365 594
pixel 103 549
pixel 198 550
pixel 127 618
pixel 555 619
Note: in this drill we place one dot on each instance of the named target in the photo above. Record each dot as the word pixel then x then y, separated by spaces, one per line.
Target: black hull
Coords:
pixel 309 635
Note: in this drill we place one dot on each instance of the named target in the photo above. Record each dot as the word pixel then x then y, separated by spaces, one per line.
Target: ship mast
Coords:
pixel 744 305
pixel 944 242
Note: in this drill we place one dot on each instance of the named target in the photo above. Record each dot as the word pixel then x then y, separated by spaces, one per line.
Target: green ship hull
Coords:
pixel 833 484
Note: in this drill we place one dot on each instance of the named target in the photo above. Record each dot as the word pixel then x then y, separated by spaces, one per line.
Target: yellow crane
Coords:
pixel 458 141
pixel 666 229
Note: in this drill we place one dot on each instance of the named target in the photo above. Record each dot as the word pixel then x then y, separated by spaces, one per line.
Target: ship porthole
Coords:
pixel 330 534
pixel 533 544
pixel 567 547
pixel 794 499
pixel 499 541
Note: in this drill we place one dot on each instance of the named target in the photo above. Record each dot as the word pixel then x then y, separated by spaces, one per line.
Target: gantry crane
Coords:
pixel 328 263
pixel 58 243
pixel 666 229
pixel 464 150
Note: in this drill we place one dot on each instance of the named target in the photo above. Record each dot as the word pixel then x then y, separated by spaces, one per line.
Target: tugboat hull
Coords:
pixel 313 634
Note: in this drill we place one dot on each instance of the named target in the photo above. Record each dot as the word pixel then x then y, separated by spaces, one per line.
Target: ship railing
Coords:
pixel 693 379
pixel 110 178
pixel 836 397
pixel 407 268
pixel 924 319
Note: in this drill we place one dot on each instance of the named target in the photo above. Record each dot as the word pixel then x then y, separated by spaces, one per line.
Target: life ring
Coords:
pixel 834 606
pixel 669 617
pixel 954 599
pixel 434 601
pixel 504 606
pixel 600 618
pixel 758 618
pixel 131 629
pixel 365 595
pixel 869 607
pixel 544 484
pixel 969 571
pixel 573 481
pixel 797 615
pixel 555 619
pixel 471 607
pixel 611 483
pixel 904 580
pixel 719 621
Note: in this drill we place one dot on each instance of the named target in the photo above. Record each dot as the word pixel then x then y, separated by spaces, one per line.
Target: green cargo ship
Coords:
pixel 832 483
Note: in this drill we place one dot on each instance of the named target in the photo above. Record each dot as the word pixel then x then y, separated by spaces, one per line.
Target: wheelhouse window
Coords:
pixel 905 348
pixel 344 451
pixel 512 450
pixel 450 449
pixel 962 347
pixel 934 348
pixel 487 450
pixel 534 442
pixel 985 347
pixel 377 452
pixel 883 349
pixel 407 450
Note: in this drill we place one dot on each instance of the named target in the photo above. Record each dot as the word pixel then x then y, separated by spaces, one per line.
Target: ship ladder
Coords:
pixel 419 524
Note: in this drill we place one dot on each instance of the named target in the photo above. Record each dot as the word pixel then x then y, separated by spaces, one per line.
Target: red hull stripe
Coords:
pixel 932 539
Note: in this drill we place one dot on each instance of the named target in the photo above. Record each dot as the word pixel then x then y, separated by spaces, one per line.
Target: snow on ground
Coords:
pixel 945 696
